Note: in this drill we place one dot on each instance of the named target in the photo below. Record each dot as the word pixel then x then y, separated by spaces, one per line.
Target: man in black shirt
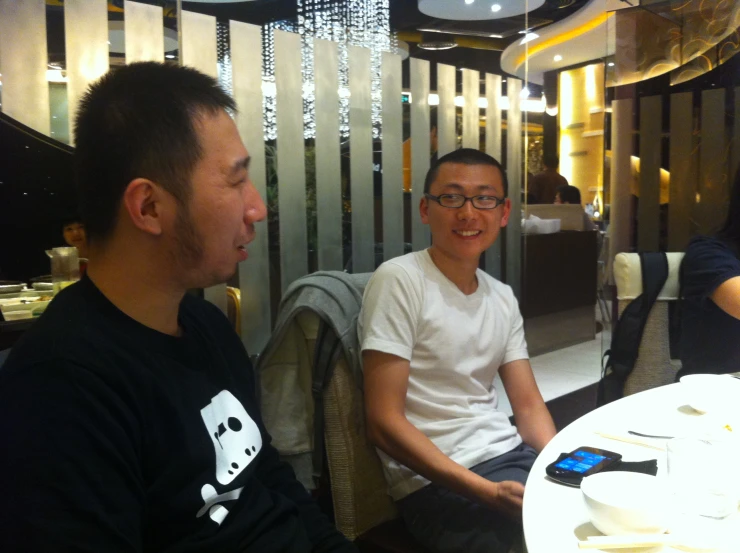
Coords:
pixel 128 418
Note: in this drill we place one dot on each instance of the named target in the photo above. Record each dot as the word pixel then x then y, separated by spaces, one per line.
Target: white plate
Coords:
pixel 9 288
pixel 42 286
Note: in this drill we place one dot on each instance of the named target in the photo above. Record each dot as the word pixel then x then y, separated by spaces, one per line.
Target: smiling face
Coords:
pixel 212 230
pixel 74 234
pixel 464 233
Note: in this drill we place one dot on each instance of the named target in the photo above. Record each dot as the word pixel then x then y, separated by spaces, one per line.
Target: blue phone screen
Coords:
pixel 581 461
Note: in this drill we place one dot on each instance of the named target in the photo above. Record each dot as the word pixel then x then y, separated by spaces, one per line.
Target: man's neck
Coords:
pixel 460 272
pixel 134 285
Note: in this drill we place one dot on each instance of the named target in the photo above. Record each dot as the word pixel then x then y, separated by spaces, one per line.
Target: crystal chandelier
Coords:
pixel 364 23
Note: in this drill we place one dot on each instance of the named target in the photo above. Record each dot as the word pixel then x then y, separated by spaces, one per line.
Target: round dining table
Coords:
pixel 555 516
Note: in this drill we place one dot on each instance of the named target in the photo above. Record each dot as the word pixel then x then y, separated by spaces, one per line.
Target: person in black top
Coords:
pixel 128 418
pixel 710 310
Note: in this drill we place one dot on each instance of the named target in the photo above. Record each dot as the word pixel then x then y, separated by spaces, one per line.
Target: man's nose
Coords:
pixel 467 211
pixel 255 208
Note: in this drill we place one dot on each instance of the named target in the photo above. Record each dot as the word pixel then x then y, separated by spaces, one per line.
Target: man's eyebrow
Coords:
pixel 241 164
pixel 458 187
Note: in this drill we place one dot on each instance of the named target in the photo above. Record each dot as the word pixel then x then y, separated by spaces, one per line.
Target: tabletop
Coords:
pixel 555 516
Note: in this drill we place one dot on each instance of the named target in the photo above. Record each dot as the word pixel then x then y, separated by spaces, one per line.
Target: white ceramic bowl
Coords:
pixel 710 392
pixel 623 502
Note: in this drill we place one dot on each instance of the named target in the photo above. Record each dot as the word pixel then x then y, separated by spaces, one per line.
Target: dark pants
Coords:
pixel 445 522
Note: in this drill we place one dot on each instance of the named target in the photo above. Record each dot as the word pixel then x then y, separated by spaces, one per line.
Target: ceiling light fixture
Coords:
pixel 529 37
pixel 469 1
pixel 496 8
pixel 496 36
pixel 557 57
pixel 524 93
pixel 610 64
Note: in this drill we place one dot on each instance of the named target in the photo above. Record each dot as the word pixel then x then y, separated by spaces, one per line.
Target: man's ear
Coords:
pixel 507 212
pixel 424 209
pixel 144 201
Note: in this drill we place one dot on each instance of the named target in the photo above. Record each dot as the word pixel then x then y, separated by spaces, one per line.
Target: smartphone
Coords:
pixel 579 463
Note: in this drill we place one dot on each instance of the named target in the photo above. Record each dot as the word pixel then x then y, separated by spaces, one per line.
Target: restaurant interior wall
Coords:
pixel 674 120
pixel 283 256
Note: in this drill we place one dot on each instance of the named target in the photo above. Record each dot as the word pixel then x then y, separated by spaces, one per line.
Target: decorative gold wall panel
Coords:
pixel 143 32
pixel 420 145
pixel 446 131
pixel 648 210
pixel 199 42
pixel 23 63
pixel 291 166
pixel 392 161
pixel 714 190
pixel 361 160
pixel 682 163
pixel 86 41
pixel 254 274
pixel 513 232
pixel 328 167
pixel 471 109
pixel 493 148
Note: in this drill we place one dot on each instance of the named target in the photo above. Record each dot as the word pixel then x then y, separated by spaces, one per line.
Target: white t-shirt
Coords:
pixel 455 344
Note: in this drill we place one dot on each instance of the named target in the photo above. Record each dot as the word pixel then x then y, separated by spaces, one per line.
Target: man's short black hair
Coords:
pixel 137 121
pixel 551 161
pixel 568 194
pixel 465 156
pixel 71 218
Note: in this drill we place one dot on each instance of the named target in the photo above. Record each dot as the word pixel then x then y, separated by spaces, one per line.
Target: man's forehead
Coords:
pixel 462 176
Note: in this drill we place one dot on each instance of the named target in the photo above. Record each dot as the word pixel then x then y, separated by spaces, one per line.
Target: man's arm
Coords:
pixel 727 296
pixel 386 382
pixel 279 477
pixel 533 420
pixel 69 471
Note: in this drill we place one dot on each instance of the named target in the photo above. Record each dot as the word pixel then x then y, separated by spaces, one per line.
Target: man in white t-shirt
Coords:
pixel 435 330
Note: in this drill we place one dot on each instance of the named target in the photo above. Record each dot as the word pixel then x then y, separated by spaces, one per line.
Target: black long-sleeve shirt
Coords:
pixel 117 438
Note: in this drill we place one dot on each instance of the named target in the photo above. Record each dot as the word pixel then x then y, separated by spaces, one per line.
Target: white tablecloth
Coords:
pixel 555 516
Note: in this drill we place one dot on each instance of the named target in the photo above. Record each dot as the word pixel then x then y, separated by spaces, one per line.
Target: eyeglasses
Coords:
pixel 458 200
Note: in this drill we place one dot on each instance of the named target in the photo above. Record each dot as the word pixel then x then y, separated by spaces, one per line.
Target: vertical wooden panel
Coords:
pixel 199 42
pixel 648 208
pixel 620 179
pixel 420 145
pixel 493 148
pixel 254 273
pixel 514 172
pixel 23 61
pixel 143 32
pixel 199 51
pixel 681 191
pixel 328 169
pixel 446 131
pixel 361 160
pixel 86 43
pixel 713 182
pixel 735 161
pixel 392 156
pixel 471 109
pixel 291 167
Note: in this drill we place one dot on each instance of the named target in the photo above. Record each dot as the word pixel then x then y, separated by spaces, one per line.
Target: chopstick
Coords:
pixel 629 440
pixel 624 542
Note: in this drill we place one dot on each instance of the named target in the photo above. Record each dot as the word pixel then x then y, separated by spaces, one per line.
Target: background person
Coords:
pixel 710 308
pixel 543 185
pixel 435 330
pixel 571 195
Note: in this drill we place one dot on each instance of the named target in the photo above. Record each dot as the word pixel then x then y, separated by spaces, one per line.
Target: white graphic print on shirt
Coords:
pixel 236 440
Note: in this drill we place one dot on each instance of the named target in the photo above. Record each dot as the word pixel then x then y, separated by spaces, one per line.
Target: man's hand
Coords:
pixel 508 499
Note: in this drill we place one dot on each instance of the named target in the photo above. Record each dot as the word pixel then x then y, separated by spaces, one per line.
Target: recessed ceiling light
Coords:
pixel 169 56
pixel 558 57
pixel 496 36
pixel 469 1
pixel 610 64
pixel 496 8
